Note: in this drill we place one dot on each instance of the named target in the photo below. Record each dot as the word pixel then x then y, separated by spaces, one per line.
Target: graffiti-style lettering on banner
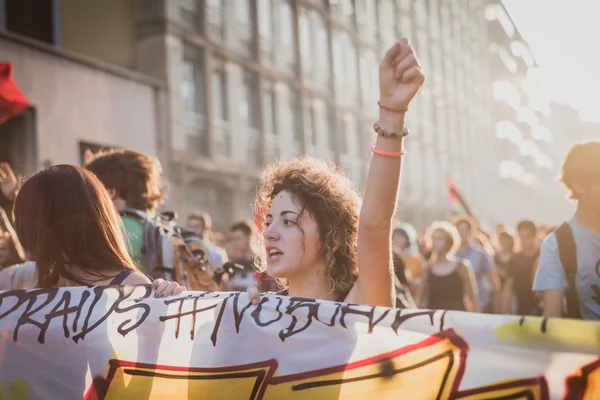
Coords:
pixel 119 342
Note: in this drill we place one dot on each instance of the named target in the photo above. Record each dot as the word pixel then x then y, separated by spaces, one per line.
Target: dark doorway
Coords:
pixel 32 18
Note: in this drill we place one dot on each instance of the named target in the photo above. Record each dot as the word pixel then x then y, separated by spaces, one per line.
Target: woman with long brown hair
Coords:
pixel 309 212
pixel 68 225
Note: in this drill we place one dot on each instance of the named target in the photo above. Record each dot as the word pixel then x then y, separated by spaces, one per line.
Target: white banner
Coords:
pixel 121 343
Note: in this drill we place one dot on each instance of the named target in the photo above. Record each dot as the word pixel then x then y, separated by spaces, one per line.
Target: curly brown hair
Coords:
pixel 135 176
pixel 322 190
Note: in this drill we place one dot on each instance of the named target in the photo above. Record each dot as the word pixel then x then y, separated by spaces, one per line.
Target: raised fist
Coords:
pixel 400 76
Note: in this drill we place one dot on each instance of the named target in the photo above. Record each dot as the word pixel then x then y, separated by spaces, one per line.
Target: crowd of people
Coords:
pixel 313 236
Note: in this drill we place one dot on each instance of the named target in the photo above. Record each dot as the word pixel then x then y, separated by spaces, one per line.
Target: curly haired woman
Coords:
pixel 317 239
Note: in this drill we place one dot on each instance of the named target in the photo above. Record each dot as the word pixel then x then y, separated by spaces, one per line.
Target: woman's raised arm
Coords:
pixel 400 78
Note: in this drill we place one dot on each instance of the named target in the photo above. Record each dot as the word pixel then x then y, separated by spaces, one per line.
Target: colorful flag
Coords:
pixel 456 199
pixel 12 100
pixel 121 343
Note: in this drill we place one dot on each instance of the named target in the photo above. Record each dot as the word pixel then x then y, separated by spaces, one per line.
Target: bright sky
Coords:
pixel 564 37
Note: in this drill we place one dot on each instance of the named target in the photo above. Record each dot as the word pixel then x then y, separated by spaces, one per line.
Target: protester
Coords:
pixel 505 251
pixel 405 246
pixel 488 285
pixel 448 283
pixel 569 256
pixel 309 211
pixel 521 270
pixel 76 239
pixel 134 181
pixel 242 234
pixel 201 224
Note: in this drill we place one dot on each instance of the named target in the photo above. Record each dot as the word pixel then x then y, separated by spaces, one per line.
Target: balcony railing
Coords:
pixel 222 139
pixel 252 147
pixel 195 130
pixel 272 147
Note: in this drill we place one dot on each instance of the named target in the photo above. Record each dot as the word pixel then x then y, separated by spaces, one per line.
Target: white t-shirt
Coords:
pixel 551 275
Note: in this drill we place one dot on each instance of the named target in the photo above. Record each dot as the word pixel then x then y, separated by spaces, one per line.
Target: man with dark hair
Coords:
pixel 521 269
pixel 488 283
pixel 201 224
pixel 241 235
pixel 134 181
pixel 570 256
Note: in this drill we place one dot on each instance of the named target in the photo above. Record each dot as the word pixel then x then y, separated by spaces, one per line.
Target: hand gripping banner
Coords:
pixel 121 343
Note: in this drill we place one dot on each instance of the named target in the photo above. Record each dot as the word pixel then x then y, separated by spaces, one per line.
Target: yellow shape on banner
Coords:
pixel 143 381
pixel 537 330
pixel 525 389
pixel 427 370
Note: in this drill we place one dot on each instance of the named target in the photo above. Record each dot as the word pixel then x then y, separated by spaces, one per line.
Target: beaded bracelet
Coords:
pixel 392 135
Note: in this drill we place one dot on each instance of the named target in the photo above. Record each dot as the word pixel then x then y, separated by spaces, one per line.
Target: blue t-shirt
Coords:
pixel 551 275
pixel 481 265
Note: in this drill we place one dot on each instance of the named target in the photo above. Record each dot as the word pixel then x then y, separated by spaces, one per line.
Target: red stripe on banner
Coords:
pixel 12 99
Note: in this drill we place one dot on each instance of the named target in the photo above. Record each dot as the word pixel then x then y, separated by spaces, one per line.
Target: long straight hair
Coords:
pixel 66 221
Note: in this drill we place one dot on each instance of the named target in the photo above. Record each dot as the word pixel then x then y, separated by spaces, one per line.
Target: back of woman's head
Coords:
pixel 330 198
pixel 64 219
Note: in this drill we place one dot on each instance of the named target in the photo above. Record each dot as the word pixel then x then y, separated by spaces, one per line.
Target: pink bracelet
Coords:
pixel 387 153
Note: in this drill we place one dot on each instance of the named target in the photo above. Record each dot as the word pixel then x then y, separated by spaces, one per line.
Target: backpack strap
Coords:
pixel 567 251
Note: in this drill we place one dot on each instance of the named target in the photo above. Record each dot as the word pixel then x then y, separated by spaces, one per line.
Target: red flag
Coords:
pixel 12 100
pixel 456 199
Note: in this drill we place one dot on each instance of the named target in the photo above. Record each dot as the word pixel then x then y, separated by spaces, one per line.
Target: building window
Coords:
pixel 32 18
pixel 369 77
pixel 222 131
pixel 192 94
pixel 387 19
pixel 420 7
pixel 216 14
pixel 296 120
pixel 345 67
pixel 269 96
pixel 287 45
pixel 248 110
pixel 266 30
pixel 190 15
pixel 245 29
pixel 331 131
pixel 351 157
pixel 366 20
pixel 314 49
pixel 305 39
